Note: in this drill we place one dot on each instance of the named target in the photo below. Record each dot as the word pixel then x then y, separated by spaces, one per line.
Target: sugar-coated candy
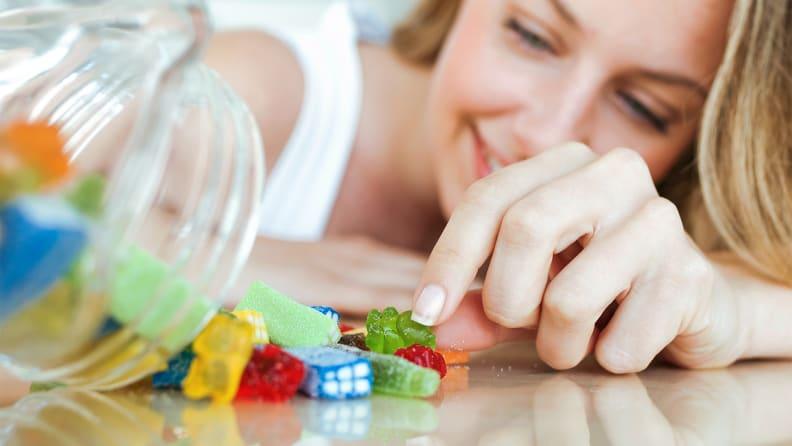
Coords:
pixel 222 351
pixel 149 297
pixel 40 240
pixel 389 331
pixel 424 357
pixel 328 311
pixel 334 374
pixel 354 340
pixel 397 376
pixel 271 374
pixel 289 323
pixel 254 318
pixel 172 377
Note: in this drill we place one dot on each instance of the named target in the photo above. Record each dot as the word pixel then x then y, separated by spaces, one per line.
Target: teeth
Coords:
pixel 493 163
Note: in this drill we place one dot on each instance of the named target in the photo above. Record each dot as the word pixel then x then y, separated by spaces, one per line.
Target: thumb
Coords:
pixel 469 329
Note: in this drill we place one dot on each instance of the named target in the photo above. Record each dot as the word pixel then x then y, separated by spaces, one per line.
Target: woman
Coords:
pixel 465 126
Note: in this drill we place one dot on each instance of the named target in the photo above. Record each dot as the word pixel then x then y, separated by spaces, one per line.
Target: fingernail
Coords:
pixel 429 304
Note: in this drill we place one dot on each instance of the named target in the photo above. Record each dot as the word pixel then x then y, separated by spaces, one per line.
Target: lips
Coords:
pixel 485 161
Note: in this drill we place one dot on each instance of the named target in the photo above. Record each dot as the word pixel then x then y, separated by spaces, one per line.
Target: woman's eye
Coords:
pixel 643 112
pixel 529 37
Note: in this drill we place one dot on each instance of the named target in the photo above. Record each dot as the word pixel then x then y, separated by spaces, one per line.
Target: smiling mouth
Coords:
pixel 486 162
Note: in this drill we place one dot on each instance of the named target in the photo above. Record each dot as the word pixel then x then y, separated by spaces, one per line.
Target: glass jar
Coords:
pixel 183 164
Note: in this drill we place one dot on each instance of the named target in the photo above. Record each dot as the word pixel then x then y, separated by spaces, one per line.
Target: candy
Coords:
pixel 424 357
pixel 290 324
pixel 334 374
pixel 344 327
pixel 388 331
pixel 328 311
pixel 255 319
pixel 172 377
pixel 87 195
pixel 222 351
pixel 354 340
pixel 40 239
pixel 271 375
pixel 455 357
pixel 397 376
pixel 36 145
pixel 147 296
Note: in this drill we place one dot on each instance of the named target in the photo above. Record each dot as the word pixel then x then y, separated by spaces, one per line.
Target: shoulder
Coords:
pixel 265 73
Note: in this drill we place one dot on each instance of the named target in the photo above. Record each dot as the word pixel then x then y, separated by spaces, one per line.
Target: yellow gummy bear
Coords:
pixel 254 318
pixel 222 351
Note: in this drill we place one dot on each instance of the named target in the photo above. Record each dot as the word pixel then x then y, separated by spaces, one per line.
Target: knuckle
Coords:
pixel 575 148
pixel 524 223
pixel 616 360
pixel 506 317
pixel 663 211
pixel 446 253
pixel 480 193
pixel 566 306
pixel 628 162
pixel 554 358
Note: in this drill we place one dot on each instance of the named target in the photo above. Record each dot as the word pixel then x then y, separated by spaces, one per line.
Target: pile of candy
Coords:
pixel 270 347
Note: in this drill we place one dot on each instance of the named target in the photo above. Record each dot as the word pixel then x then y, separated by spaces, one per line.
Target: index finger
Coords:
pixel 469 237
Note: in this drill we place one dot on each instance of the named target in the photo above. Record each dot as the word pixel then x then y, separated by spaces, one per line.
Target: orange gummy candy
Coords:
pixel 38 145
pixel 453 357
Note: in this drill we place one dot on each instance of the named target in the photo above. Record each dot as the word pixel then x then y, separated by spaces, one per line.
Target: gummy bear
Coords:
pixel 424 357
pixel 271 375
pixel 254 318
pixel 178 366
pixel 389 331
pixel 222 351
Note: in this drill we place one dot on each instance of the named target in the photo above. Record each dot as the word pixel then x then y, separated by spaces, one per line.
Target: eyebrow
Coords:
pixel 674 79
pixel 563 11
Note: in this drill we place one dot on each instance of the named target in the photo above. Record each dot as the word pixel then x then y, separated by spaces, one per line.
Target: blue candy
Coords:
pixel 172 377
pixel 40 239
pixel 327 311
pixel 333 374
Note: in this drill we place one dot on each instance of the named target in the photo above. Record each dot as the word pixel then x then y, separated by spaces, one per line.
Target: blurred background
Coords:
pixel 295 13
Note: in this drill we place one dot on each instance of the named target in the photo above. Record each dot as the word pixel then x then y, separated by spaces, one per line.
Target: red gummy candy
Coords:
pixel 424 357
pixel 342 327
pixel 271 375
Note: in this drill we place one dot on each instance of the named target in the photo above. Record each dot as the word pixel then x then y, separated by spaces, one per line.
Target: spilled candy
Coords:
pixel 271 375
pixel 222 351
pixel 254 318
pixel 389 331
pixel 397 376
pixel 354 340
pixel 40 239
pixel 424 357
pixel 178 366
pixel 289 323
pixel 455 357
pixel 334 374
pixel 328 311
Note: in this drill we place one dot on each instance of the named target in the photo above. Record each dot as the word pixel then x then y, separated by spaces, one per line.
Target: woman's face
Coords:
pixel 517 77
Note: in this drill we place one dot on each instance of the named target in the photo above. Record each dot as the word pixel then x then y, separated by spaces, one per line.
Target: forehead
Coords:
pixel 687 35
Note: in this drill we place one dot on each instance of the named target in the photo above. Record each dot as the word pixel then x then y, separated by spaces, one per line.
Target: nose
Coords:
pixel 556 112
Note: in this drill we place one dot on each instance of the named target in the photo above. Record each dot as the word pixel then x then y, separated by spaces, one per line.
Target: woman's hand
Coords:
pixel 570 233
pixel 352 274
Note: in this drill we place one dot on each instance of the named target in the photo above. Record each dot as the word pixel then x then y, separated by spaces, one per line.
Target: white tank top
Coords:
pixel 301 190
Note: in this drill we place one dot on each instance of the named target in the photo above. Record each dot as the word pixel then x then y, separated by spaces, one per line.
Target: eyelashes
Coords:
pixel 529 37
pixel 643 112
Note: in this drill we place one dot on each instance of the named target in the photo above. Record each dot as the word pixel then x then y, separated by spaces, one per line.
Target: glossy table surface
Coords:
pixel 505 396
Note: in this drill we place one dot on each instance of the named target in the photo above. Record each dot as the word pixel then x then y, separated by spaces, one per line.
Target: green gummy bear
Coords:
pixel 146 291
pixel 289 323
pixel 388 331
pixel 87 195
pixel 397 376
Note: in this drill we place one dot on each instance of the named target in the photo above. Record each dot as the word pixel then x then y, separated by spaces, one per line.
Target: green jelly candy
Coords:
pixel 397 376
pixel 145 290
pixel 388 331
pixel 44 386
pixel 289 323
pixel 87 195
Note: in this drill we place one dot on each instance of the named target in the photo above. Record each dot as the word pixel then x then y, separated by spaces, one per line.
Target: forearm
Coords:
pixel 767 308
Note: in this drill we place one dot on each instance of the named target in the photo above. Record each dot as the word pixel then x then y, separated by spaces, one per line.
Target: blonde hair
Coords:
pixel 741 167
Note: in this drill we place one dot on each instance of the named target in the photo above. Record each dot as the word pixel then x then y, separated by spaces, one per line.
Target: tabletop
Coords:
pixel 504 396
